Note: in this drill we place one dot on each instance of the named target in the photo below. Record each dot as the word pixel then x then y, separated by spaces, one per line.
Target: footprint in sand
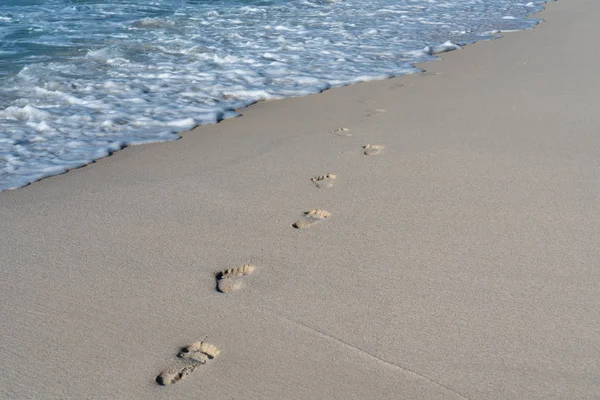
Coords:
pixel 227 281
pixel 195 355
pixel 311 217
pixel 375 112
pixel 429 73
pixel 341 132
pixel 200 352
pixel 176 373
pixel 372 149
pixel 396 86
pixel 323 181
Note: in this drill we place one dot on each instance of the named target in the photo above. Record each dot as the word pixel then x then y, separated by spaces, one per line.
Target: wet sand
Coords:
pixel 457 260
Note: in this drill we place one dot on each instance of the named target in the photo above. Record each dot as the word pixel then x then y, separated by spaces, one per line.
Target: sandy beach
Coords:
pixel 458 260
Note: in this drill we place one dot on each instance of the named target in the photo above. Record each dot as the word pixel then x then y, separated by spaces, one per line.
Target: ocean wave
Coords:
pixel 109 74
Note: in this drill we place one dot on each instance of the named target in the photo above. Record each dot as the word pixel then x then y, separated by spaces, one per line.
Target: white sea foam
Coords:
pixel 88 78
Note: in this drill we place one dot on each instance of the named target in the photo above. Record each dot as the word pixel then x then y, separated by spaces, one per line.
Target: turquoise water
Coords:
pixel 81 79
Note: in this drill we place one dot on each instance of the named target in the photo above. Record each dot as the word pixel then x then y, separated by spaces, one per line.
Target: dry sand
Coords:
pixel 461 261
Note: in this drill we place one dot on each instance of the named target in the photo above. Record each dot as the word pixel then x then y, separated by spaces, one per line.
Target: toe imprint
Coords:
pixel 323 181
pixel 196 349
pixel 226 280
pixel 341 132
pixel 238 271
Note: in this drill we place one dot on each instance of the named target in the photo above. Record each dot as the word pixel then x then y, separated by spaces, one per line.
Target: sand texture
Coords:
pixel 460 261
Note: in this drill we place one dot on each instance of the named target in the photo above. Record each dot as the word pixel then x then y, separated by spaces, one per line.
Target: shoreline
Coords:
pixel 458 261
pixel 442 48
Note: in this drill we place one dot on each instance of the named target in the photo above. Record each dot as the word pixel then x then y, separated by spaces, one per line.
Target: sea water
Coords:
pixel 80 79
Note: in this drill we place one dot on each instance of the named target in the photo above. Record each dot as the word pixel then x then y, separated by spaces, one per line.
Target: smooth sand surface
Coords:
pixel 461 261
